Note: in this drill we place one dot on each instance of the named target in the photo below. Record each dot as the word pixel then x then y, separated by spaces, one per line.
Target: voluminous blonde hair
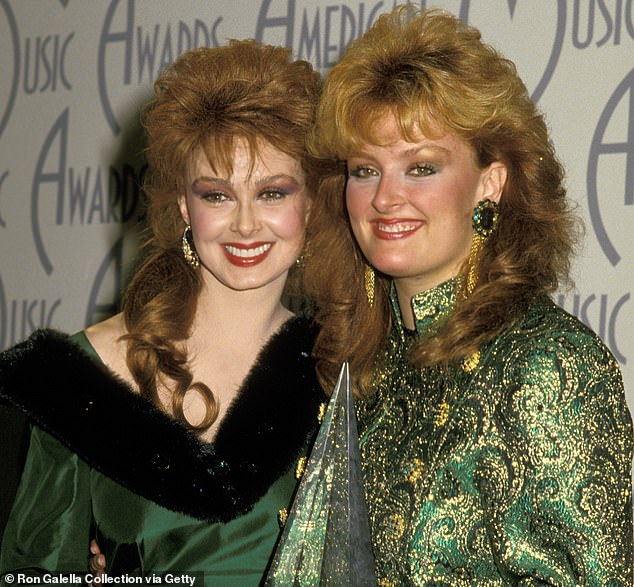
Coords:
pixel 206 100
pixel 435 75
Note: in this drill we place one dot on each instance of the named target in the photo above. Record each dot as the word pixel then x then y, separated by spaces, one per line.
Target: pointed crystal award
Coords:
pixel 326 538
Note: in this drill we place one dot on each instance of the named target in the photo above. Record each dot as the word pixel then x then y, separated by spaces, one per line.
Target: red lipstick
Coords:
pixel 246 255
pixel 395 228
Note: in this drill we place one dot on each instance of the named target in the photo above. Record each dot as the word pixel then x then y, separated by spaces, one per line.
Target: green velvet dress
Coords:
pixel 103 463
pixel 512 469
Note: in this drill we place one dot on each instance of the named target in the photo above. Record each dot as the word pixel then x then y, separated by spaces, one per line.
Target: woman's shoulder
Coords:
pixel 105 336
pixel 54 380
pixel 545 322
pixel 105 340
pixel 548 338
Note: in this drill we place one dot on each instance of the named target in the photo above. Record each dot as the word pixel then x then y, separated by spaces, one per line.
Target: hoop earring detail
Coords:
pixel 484 220
pixel 369 285
pixel 187 246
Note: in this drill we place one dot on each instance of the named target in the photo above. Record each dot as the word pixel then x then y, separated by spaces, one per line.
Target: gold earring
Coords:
pixel 484 221
pixel 369 285
pixel 300 262
pixel 187 246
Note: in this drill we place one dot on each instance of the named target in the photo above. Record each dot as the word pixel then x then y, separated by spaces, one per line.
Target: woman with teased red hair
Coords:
pixel 170 432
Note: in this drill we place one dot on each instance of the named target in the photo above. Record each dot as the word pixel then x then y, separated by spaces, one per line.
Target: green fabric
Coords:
pixel 235 553
pixel 49 525
pixel 62 503
pixel 515 471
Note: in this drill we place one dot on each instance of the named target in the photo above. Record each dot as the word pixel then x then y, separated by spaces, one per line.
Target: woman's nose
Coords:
pixel 388 195
pixel 246 221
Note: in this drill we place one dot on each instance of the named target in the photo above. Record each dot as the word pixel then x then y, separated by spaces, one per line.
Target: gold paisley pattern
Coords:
pixel 516 472
pixel 471 362
pixel 414 470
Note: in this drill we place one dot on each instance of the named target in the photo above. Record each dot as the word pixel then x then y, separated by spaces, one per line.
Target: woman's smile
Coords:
pixel 395 228
pixel 243 255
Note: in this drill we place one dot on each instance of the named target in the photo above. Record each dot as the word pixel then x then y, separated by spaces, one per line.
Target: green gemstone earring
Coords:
pixel 484 220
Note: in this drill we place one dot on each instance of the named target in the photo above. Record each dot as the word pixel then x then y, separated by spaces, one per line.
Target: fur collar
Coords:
pixel 81 403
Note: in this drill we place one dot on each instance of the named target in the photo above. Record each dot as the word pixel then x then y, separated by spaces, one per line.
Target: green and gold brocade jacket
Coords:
pixel 512 469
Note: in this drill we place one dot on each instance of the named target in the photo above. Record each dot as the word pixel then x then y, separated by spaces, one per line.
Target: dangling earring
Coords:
pixel 485 218
pixel 369 285
pixel 187 246
pixel 300 262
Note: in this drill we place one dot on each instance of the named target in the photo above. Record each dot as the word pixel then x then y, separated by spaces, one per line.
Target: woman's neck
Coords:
pixel 252 314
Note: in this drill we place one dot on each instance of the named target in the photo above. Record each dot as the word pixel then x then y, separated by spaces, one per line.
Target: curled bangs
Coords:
pixel 219 150
pixel 358 120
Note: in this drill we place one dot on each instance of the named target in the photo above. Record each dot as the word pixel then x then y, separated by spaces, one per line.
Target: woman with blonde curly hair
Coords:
pixel 170 432
pixel 495 440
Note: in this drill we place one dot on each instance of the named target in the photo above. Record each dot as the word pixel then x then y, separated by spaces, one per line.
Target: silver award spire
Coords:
pixel 326 538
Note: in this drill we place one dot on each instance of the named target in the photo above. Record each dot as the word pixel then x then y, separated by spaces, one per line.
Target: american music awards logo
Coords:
pixel 320 32
pixel 10 61
pixel 611 156
pixel 20 317
pixel 132 51
pixel 36 64
pixel 610 151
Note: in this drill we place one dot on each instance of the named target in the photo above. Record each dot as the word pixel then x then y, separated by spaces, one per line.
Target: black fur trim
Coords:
pixel 96 415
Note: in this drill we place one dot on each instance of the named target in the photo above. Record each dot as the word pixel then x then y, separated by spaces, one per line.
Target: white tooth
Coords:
pixel 246 253
pixel 401 227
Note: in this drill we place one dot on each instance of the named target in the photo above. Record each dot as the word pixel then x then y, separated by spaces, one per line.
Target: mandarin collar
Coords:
pixel 430 308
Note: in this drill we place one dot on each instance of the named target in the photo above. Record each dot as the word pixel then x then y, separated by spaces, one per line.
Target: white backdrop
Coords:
pixel 73 74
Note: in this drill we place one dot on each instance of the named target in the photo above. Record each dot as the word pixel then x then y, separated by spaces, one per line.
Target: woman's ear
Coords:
pixel 307 212
pixel 182 205
pixel 493 181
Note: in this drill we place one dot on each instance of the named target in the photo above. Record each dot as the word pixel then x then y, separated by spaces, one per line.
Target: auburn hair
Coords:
pixel 435 75
pixel 206 100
